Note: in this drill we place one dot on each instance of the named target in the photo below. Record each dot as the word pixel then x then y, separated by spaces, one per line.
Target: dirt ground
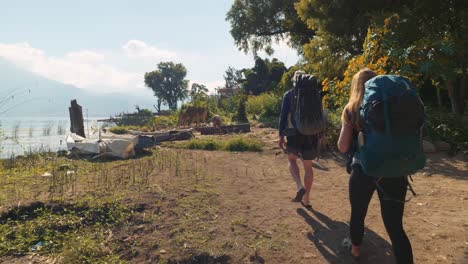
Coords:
pixel 221 207
pixel 252 220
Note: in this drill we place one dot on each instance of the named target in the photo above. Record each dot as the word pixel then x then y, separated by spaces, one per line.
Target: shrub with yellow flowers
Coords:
pixel 382 54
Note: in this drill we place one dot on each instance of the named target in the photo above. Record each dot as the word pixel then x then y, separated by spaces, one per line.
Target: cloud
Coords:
pixel 85 56
pixel 84 69
pixel 139 49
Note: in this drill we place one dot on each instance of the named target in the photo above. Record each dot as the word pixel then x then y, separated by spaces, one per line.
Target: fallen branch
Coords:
pixel 425 220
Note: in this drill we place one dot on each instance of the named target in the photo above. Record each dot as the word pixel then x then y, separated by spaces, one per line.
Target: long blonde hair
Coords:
pixel 351 114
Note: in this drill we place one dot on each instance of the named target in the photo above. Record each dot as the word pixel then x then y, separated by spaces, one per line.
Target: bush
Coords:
pixel 119 130
pixel 241 115
pixel 266 104
pixel 204 144
pixel 273 107
pixel 266 107
pixel 239 143
pixel 243 144
pixel 269 121
pixel 442 125
pixel 162 122
pixel 332 130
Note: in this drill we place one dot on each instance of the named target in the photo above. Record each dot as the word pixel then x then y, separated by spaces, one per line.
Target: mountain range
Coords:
pixel 33 95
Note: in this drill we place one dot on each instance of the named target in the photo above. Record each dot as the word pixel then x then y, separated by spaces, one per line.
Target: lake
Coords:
pixel 22 135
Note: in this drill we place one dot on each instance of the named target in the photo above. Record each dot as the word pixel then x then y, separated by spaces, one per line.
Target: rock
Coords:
pixel 64 167
pixel 428 147
pixel 308 255
pixel 442 145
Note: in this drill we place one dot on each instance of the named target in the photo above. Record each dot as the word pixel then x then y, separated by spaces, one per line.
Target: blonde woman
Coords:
pixel 362 187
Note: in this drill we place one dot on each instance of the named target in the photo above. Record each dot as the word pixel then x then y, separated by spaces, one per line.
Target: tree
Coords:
pixel 199 94
pixel 341 28
pixel 444 46
pixel 168 83
pixel 233 78
pixel 241 114
pixel 198 89
pixel 276 69
pixel 263 77
pixel 257 24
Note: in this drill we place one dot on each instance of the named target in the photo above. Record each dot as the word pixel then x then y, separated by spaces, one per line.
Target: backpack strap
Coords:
pixel 387 197
pixel 386 102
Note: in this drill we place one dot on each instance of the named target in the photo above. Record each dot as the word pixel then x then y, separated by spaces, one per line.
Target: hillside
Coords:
pixel 39 96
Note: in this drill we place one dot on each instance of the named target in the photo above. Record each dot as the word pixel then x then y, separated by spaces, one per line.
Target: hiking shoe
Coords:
pixel 347 245
pixel 307 206
pixel 299 195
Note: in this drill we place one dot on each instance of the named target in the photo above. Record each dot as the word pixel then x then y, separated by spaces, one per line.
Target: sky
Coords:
pixel 107 45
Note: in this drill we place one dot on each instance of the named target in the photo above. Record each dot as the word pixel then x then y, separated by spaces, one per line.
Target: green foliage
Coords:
pixel 263 104
pixel 332 130
pixel 241 115
pixel 162 122
pixel 448 127
pixel 243 144
pixel 233 78
pixel 341 28
pixel 238 143
pixel 204 144
pixel 269 121
pixel 266 107
pixel 226 107
pixel 119 130
pixel 199 94
pixel 263 77
pixel 89 248
pixel 322 61
pixel 24 227
pixel 257 24
pixel 168 83
pixel 135 119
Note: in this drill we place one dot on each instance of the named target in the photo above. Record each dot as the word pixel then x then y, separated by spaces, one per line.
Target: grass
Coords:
pixel 235 144
pixel 119 130
pixel 55 224
pixel 96 212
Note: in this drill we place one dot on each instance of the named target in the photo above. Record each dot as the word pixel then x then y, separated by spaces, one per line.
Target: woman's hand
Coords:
pixel 281 143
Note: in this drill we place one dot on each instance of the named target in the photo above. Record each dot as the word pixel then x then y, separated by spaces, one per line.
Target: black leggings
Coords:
pixel 361 189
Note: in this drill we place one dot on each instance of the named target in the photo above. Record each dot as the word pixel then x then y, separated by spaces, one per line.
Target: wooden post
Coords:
pixel 76 119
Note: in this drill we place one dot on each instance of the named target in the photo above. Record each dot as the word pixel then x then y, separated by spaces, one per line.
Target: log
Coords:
pixel 240 128
pixel 148 140
pixel 174 136
pixel 158 133
pixel 76 119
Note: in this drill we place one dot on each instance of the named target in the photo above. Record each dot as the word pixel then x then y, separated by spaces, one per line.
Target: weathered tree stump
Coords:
pixel 76 119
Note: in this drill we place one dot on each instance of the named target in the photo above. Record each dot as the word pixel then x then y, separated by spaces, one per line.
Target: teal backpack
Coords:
pixel 390 144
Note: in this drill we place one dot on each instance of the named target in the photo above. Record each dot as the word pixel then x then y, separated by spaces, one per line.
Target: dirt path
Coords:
pixel 257 189
pixel 253 220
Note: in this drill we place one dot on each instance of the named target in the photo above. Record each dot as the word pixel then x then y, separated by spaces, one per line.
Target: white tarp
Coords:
pixel 83 145
pixel 117 147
